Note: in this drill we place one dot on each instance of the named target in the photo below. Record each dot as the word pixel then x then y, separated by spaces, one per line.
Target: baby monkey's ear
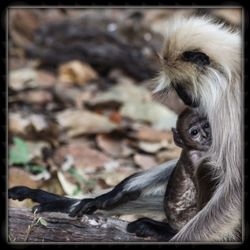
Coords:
pixel 177 140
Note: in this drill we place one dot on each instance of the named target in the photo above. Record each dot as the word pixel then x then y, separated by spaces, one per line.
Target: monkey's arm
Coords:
pixel 144 191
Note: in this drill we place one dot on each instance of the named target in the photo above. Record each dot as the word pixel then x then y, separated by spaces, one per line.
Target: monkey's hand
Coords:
pixel 85 206
pixel 47 201
pixel 106 201
pixel 19 193
pixel 145 227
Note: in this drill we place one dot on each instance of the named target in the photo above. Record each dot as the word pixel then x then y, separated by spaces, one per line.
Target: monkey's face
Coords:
pixel 199 135
pixel 196 57
pixel 193 131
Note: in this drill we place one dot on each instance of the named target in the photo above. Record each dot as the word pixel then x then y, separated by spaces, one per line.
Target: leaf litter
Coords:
pixel 81 115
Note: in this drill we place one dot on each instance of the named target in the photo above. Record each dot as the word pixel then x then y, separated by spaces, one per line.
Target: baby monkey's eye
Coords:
pixel 206 125
pixel 194 132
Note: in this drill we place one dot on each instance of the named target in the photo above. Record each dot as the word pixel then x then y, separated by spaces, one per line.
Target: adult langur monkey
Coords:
pixel 201 61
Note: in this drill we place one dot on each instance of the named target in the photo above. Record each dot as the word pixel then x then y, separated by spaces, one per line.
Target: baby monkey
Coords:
pixel 193 135
pixel 181 201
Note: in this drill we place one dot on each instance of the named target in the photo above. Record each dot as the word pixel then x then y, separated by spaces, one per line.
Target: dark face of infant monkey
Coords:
pixel 193 131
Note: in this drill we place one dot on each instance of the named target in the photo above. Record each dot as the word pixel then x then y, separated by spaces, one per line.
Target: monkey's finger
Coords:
pixel 77 209
pixel 86 206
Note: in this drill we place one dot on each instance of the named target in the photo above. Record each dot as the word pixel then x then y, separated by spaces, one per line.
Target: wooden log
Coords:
pixel 25 226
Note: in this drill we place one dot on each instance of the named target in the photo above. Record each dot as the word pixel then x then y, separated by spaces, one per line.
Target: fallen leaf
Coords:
pixel 156 114
pixel 114 147
pixel 112 178
pixel 40 97
pixel 68 187
pixel 115 117
pixel 32 125
pixel 151 147
pixel 19 152
pixel 36 148
pixel 42 221
pixel 121 93
pixel 168 155
pixel 20 177
pixel 85 158
pixel 145 161
pixel 76 72
pixel 28 77
pixel 45 78
pixel 150 134
pixel 22 78
pixel 78 122
pixel 23 22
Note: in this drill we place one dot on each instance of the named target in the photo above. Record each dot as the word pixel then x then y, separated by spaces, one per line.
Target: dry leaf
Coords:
pixel 23 22
pixel 113 147
pixel 145 161
pixel 18 123
pixel 168 155
pixel 20 177
pixel 122 93
pixel 32 125
pixel 150 134
pixel 78 122
pixel 156 114
pixel 112 178
pixel 115 117
pixel 45 79
pixel 85 158
pixel 40 97
pixel 76 72
pixel 36 148
pixel 24 78
pixel 152 147
pixel 68 187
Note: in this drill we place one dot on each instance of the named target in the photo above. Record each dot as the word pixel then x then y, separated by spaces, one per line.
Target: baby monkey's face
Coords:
pixel 198 134
pixel 193 131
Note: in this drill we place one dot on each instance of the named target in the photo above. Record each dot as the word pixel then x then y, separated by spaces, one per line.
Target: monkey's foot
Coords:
pixel 146 227
pixel 19 193
pixel 86 206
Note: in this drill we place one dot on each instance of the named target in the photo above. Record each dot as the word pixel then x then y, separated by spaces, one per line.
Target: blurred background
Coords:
pixel 81 113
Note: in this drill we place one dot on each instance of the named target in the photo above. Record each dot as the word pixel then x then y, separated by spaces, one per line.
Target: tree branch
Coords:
pixel 56 227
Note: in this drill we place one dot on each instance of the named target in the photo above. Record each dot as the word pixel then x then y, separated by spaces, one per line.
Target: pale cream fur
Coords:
pixel 219 89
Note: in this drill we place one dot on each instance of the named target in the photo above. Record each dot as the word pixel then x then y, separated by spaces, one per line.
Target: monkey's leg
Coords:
pixel 145 227
pixel 140 189
pixel 107 201
pixel 48 201
pixel 132 188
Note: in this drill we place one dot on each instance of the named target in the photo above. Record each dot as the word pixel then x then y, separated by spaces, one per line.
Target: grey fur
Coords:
pixel 218 87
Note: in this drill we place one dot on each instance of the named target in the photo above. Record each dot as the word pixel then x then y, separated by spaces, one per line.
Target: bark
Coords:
pixel 25 226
